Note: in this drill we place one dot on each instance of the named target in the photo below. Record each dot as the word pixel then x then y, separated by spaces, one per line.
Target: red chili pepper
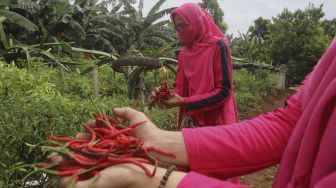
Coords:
pixel 113 121
pixel 112 142
pixel 104 131
pixel 93 133
pixel 163 93
pixel 130 128
pixel 88 175
pixel 67 168
pixel 106 143
pixel 63 139
pixel 160 151
pixel 70 172
pixel 45 165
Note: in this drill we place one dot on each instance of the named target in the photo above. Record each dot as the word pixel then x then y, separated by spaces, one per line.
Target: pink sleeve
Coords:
pixel 200 181
pixel 241 148
pixel 223 84
pixel 328 181
pixel 179 77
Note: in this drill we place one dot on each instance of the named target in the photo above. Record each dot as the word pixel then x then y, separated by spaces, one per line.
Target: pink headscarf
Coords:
pixel 199 21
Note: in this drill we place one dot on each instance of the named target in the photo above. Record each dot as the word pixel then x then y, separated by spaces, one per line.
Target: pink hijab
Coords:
pixel 200 22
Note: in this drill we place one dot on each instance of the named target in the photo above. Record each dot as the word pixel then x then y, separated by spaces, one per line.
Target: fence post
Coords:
pixel 96 81
pixel 281 81
pixel 141 94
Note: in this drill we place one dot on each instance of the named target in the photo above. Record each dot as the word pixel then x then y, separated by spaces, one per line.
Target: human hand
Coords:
pixel 151 137
pixel 123 176
pixel 148 132
pixel 175 100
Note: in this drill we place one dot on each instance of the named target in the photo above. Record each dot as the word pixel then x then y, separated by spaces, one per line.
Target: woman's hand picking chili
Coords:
pixel 173 101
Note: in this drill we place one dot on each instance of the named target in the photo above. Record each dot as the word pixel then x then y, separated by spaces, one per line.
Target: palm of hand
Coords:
pixel 112 177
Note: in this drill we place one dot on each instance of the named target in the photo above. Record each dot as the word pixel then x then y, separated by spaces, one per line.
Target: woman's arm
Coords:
pixel 245 147
pixel 236 149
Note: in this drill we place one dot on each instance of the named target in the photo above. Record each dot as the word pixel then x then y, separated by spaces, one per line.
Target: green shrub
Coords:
pixel 34 104
pixel 164 118
pixel 250 88
pixel 111 82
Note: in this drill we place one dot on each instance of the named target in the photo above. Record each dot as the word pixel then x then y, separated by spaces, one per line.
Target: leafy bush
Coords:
pixel 111 82
pixel 250 88
pixel 165 119
pixel 33 104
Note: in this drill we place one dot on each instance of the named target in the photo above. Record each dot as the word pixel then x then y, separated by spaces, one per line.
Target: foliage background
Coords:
pixel 45 46
pixel 39 101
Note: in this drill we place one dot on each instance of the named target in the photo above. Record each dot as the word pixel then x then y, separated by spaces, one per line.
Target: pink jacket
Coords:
pixel 301 136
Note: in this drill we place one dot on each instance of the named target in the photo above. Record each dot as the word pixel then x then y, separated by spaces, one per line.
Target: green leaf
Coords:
pixel 29 145
pixel 3 165
pixel 52 57
pixel 66 47
pixel 155 16
pixel 168 59
pixel 164 48
pixel 94 52
pixel 78 28
pixel 17 19
pixel 116 8
pixel 22 170
pixel 155 8
pixel 171 68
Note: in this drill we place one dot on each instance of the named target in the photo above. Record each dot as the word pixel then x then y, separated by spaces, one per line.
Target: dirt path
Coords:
pixel 264 178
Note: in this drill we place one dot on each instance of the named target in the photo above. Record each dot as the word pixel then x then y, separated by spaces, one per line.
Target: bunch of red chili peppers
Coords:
pixel 112 142
pixel 162 93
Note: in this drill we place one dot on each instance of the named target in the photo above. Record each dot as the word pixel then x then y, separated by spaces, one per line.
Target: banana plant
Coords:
pixel 15 50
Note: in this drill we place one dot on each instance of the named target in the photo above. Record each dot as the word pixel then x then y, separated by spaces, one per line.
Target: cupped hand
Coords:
pixel 148 132
pixel 116 176
pixel 121 175
pixel 112 177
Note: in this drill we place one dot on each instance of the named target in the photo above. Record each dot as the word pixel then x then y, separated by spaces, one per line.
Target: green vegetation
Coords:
pixel 250 88
pixel 293 40
pixel 36 103
pixel 50 49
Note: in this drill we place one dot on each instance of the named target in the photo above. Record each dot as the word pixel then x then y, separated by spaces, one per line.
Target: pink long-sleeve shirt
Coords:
pixel 301 136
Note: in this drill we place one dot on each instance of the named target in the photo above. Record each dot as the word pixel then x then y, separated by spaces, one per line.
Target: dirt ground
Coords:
pixel 264 178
